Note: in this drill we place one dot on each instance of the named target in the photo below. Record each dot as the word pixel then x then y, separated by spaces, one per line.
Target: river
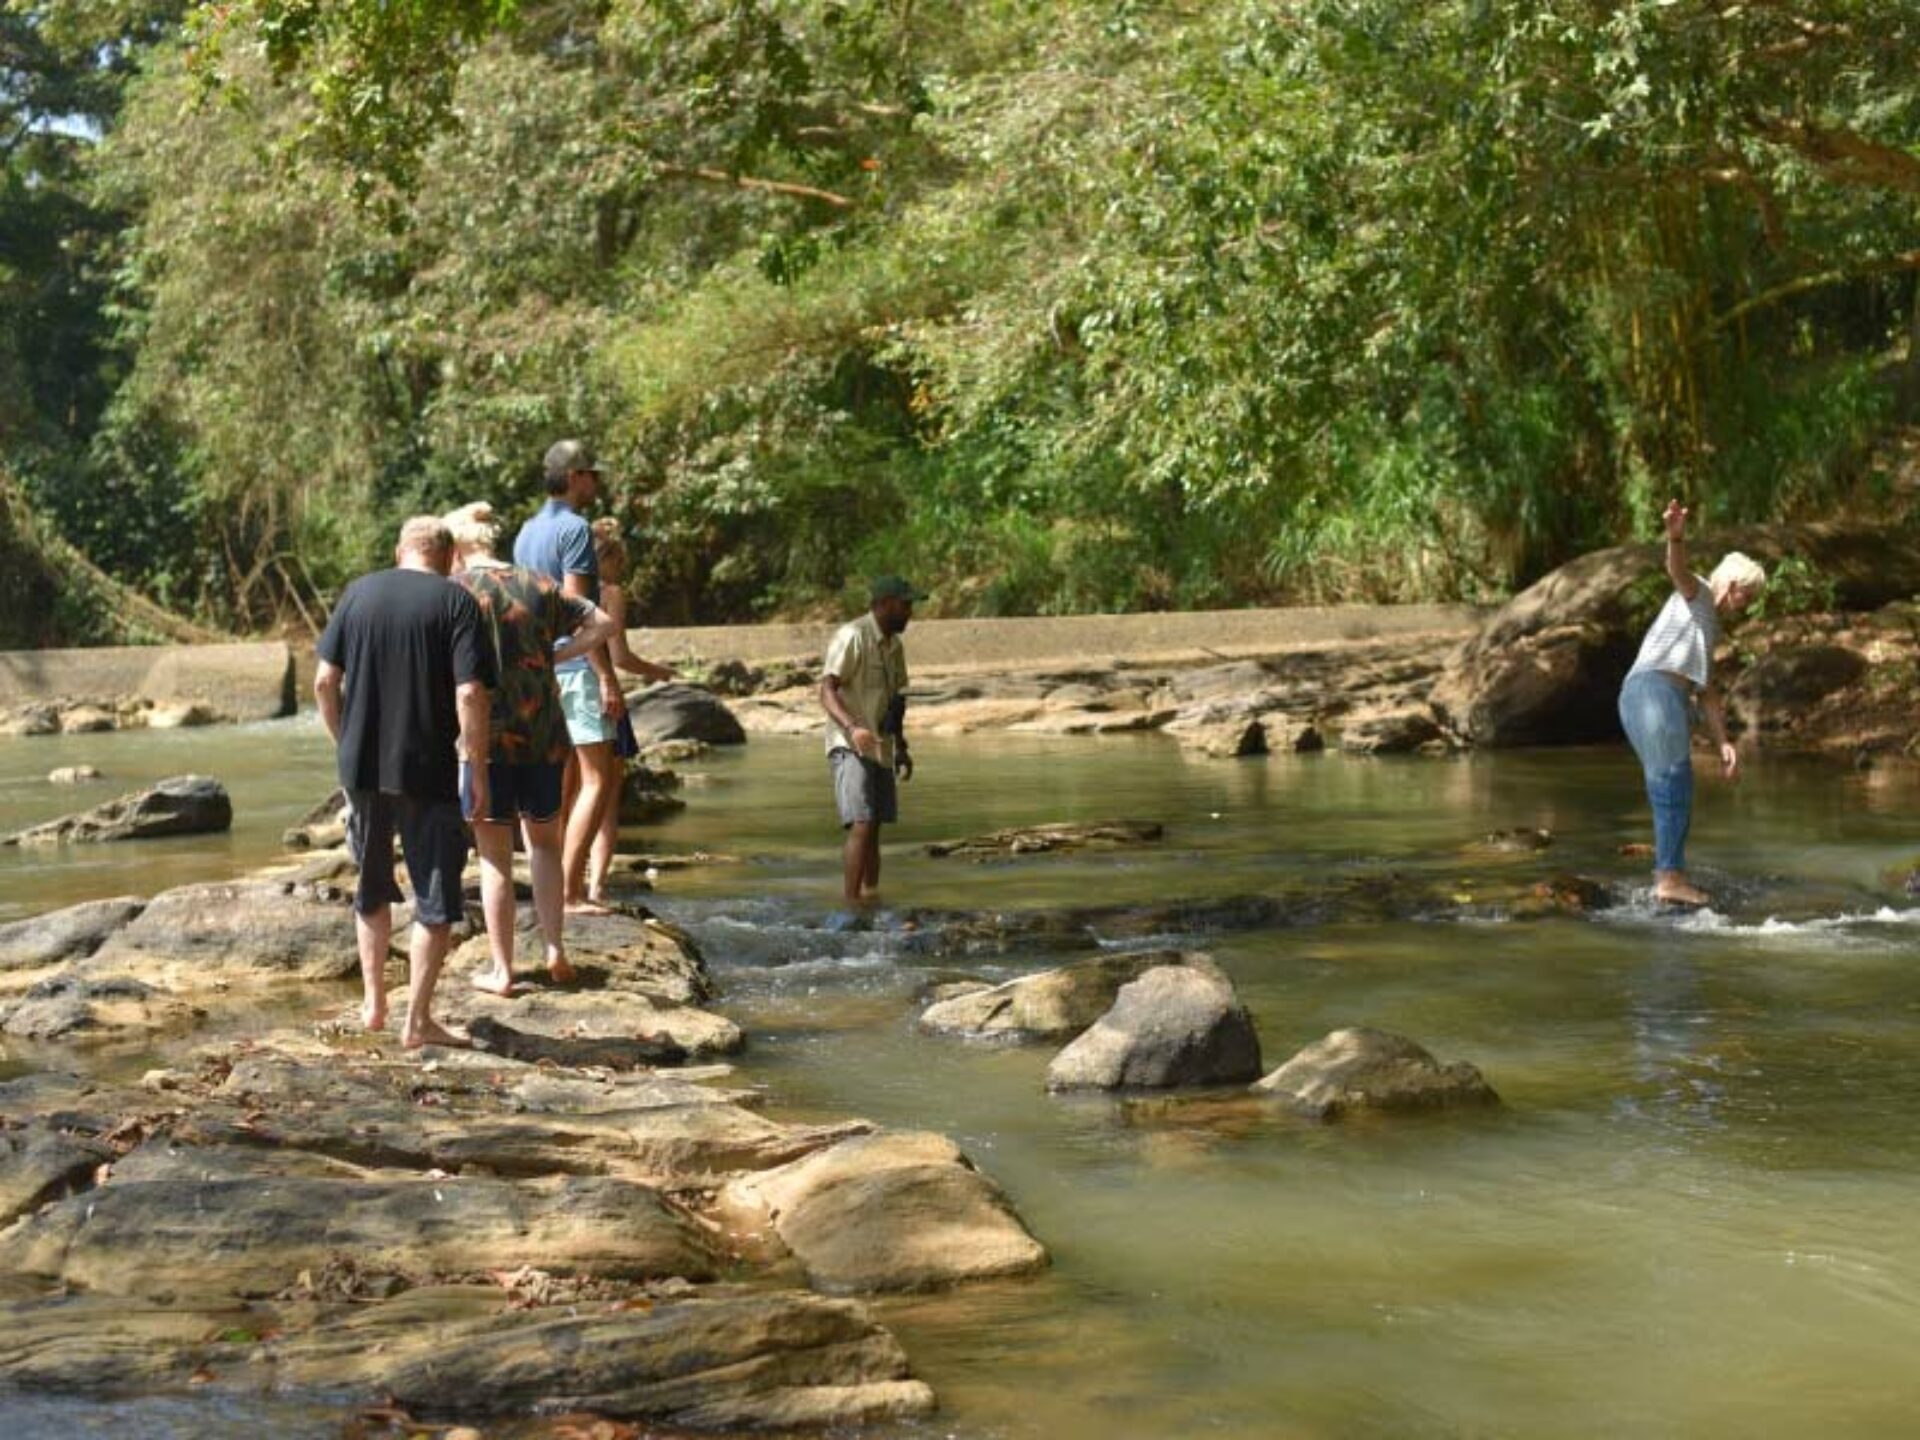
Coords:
pixel 1693 1215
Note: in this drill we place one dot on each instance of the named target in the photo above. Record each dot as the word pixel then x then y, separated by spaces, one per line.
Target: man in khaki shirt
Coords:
pixel 863 691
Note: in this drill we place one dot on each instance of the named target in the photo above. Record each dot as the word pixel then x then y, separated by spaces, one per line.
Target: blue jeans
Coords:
pixel 1653 712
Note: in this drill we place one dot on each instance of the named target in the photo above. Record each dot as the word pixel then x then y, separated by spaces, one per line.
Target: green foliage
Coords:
pixel 1795 587
pixel 1057 306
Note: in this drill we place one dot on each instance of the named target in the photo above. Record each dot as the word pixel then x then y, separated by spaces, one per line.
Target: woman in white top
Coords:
pixel 1674 667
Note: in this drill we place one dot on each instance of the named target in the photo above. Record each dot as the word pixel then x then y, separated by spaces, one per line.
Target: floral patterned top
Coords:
pixel 525 615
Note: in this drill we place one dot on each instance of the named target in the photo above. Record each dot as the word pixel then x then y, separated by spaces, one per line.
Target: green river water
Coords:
pixel 1692 1217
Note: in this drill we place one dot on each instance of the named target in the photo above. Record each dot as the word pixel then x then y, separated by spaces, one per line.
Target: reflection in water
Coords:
pixel 1691 1217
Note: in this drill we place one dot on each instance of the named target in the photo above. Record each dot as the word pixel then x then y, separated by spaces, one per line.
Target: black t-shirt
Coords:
pixel 406 639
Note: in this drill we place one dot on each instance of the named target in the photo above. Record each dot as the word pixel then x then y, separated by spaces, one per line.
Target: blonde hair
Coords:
pixel 608 544
pixel 472 526
pixel 424 535
pixel 1737 569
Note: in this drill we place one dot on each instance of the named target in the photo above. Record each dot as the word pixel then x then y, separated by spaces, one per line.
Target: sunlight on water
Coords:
pixel 1692 1217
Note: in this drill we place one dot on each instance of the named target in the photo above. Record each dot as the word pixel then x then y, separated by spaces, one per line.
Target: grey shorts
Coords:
pixel 433 839
pixel 864 790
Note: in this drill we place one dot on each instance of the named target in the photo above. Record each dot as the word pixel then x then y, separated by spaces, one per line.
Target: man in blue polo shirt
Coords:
pixel 558 543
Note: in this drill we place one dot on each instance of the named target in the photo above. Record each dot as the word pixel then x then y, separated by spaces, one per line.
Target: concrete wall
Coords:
pixel 1040 642
pixel 247 682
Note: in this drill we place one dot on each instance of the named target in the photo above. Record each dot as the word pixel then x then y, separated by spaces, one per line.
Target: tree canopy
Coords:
pixel 1088 305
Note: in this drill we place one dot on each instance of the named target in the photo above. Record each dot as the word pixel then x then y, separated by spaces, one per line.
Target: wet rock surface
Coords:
pixel 182 805
pixel 1365 1069
pixel 1175 1025
pixel 61 935
pixel 887 1212
pixel 1055 1004
pixel 1046 839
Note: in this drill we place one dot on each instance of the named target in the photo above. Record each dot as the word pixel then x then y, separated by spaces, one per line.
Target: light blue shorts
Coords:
pixel 580 703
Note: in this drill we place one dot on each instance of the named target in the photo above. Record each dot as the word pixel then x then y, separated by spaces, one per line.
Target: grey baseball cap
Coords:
pixel 566 456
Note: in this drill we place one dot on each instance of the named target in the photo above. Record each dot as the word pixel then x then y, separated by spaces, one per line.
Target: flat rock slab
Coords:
pixel 1364 1069
pixel 772 1360
pixel 893 1211
pixel 39 1164
pixel 611 1015
pixel 1078 927
pixel 280 927
pixel 248 1237
pixel 1054 1004
pixel 181 805
pixel 630 952
pixel 68 1006
pixel 69 934
pixel 496 1037
pixel 1047 839
pixel 1175 1025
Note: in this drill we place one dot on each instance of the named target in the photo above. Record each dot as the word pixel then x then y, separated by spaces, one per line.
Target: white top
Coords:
pixel 1682 636
pixel 872 668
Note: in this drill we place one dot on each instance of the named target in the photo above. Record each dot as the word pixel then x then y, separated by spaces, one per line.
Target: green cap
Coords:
pixel 892 587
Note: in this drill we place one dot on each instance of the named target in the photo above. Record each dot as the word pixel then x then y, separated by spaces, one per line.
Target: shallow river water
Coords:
pixel 1693 1215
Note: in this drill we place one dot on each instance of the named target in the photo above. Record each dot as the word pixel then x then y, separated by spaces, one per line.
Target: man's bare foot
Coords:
pixel 560 970
pixel 1679 892
pixel 494 982
pixel 587 907
pixel 373 1014
pixel 431 1032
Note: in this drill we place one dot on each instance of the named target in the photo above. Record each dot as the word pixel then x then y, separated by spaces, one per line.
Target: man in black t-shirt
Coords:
pixel 404 671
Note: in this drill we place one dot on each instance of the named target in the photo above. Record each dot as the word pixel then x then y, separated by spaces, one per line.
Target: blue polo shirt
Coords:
pixel 557 543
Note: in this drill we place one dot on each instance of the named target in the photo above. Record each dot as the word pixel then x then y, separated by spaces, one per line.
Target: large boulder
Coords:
pixel 1175 1025
pixel 1546 667
pixel 886 1212
pixel 1779 688
pixel 674 710
pixel 1363 1069
pixel 182 805
pixel 1055 1004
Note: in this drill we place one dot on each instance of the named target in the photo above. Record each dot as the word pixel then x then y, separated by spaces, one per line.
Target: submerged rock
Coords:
pixel 646 795
pixel 1040 839
pixel 182 805
pixel 887 1212
pixel 674 710
pixel 1368 1069
pixel 1175 1025
pixel 70 1007
pixel 1054 1004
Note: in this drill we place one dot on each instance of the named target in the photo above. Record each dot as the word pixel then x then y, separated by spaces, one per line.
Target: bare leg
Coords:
pixel 543 859
pixel 862 836
pixel 428 949
pixel 599 780
pixel 373 933
pixel 495 844
pixel 605 840
pixel 871 867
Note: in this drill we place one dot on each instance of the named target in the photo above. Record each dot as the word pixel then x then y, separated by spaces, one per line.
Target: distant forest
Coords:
pixel 1053 305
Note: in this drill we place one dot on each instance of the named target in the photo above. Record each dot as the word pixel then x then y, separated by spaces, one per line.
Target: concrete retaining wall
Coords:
pixel 1042 642
pixel 246 682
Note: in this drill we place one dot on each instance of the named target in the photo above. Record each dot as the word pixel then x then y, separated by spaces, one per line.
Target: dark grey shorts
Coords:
pixel 433 839
pixel 865 791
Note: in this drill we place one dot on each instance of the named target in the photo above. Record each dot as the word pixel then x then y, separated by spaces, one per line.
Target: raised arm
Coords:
pixel 1678 570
